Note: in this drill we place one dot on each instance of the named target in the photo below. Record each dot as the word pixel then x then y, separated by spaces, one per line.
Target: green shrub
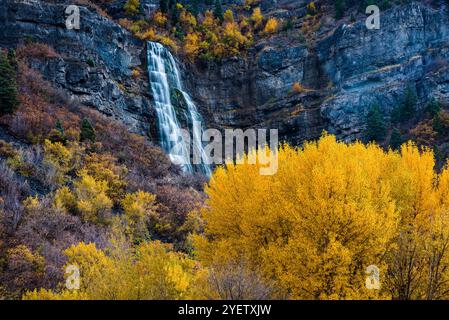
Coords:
pixel 87 131
pixel 395 139
pixel 375 124
pixel 407 108
pixel 8 86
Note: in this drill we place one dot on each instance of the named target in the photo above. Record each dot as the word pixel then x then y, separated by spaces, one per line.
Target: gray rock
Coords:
pixel 375 66
pixel 344 72
pixel 347 70
pixel 95 63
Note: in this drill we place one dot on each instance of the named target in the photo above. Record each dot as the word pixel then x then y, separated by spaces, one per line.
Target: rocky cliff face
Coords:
pixel 343 70
pixel 95 63
pixel 375 66
pixel 257 92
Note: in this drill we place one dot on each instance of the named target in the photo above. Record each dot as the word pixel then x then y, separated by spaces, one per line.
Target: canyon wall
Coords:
pixel 343 70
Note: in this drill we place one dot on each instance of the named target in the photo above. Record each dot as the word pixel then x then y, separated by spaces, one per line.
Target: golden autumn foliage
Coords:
pixel 187 20
pixel 228 16
pixel 92 199
pixel 132 7
pixel 139 208
pixel 65 199
pixel 329 212
pixel 257 18
pixel 311 8
pixel 192 45
pixel 309 231
pixel 271 26
pixel 204 36
pixel 233 37
pixel 58 191
pixel 104 167
pixel 159 18
pixel 149 271
pixel 298 88
pixel 136 73
pixel 61 159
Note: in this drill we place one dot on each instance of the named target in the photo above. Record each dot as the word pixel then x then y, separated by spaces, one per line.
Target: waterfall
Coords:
pixel 164 79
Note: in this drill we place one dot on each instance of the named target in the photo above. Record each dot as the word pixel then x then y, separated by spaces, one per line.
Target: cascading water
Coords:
pixel 164 77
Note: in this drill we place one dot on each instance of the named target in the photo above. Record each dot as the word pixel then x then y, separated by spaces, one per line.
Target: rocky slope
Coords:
pixel 344 68
pixel 95 63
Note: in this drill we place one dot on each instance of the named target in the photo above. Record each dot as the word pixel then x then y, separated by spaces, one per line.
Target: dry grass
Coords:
pixel 36 50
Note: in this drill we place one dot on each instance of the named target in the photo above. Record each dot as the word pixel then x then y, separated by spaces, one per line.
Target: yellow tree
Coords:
pixel 139 208
pixel 132 7
pixel 418 264
pixel 104 167
pixel 271 26
pixel 314 226
pixel 329 212
pixel 192 45
pixel 61 159
pixel 257 18
pixel 92 200
pixel 149 271
pixel 228 16
pixel 233 38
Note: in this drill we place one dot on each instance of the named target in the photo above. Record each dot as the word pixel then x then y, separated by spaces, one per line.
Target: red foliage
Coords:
pixel 37 113
pixel 133 150
pixel 36 50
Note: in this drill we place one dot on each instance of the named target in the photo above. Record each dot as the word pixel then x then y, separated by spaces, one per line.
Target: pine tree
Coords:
pixel 57 134
pixel 194 8
pixel 395 139
pixel 218 10
pixel 8 87
pixel 59 127
pixel 13 59
pixel 174 13
pixel 163 4
pixel 396 115
pixel 87 131
pixel 409 104
pixel 407 108
pixel 339 8
pixel 433 107
pixel 437 124
pixel 375 125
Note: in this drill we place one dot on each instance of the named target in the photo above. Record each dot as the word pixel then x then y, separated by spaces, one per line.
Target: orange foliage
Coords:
pixel 298 88
pixel 36 50
pixel 160 19
pixel 271 26
pixel 192 45
pixel 208 38
pixel 423 133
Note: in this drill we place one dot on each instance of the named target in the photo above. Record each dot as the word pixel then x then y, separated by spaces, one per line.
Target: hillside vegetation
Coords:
pixel 79 190
pixel 308 232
